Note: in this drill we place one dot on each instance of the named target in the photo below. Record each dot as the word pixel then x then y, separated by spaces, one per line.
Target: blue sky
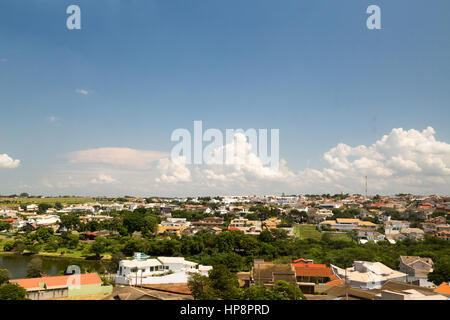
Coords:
pixel 309 68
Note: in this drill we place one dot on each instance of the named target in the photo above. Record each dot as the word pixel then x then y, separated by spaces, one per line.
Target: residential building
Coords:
pixel 247 226
pixel 342 291
pixel 417 269
pixel 271 223
pixel 308 274
pixel 444 234
pixel 368 275
pixel 365 235
pixel 176 230
pixel 63 286
pixel 393 290
pixel 209 222
pixel 32 207
pixel 413 233
pixel 143 270
pixel 443 288
pixel 394 226
pixel 267 273
pixel 348 224
pixel 175 222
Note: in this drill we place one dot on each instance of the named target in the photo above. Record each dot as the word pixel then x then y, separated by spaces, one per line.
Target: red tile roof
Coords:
pixel 312 271
pixel 58 281
pixel 301 260
pixel 443 288
pixel 309 265
pixel 335 282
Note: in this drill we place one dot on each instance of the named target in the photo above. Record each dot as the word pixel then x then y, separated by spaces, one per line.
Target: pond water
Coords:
pixel 52 266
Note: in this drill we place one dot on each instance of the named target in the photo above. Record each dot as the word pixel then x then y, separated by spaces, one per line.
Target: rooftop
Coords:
pixel 58 281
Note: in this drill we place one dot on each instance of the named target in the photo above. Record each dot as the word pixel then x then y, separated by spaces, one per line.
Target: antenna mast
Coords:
pixel 366 187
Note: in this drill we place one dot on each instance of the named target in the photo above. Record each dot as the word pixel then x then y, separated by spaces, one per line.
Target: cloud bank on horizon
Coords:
pixel 401 161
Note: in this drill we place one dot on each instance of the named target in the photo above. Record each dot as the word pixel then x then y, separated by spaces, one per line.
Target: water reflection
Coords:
pixel 52 266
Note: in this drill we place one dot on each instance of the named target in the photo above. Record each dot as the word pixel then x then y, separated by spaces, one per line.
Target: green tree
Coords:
pixel 5 226
pixel 115 260
pixel 69 221
pixel 58 205
pixel 98 247
pixel 224 282
pixel 19 246
pixel 12 292
pixel 260 292
pixel 43 234
pixel 441 273
pixel 43 207
pixel 221 284
pixel 200 288
pixel 69 240
pixel 288 290
pixel 8 246
pixel 4 276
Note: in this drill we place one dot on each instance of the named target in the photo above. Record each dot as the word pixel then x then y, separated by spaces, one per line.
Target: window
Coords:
pixel 167 267
pixel 152 269
pixel 120 270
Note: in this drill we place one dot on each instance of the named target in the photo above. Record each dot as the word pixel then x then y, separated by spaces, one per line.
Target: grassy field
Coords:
pixel 65 201
pixel 310 232
pixel 340 236
pixel 307 232
pixel 60 252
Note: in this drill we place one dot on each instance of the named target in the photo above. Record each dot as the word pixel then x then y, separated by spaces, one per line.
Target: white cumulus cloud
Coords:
pixel 173 171
pixel 8 162
pixel 403 160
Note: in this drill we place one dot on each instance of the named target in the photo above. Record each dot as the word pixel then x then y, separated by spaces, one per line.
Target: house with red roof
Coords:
pixel 443 234
pixel 443 288
pixel 309 274
pixel 45 288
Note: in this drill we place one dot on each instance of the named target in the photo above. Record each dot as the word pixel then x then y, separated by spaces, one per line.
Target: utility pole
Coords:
pixel 295 289
pixel 346 289
pixel 259 274
pixel 366 187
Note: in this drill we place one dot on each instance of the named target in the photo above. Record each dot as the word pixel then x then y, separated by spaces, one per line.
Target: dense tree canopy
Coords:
pixel 12 292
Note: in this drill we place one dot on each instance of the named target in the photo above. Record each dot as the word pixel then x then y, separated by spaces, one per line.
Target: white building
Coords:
pixel 368 275
pixel 32 207
pixel 20 224
pixel 175 222
pixel 142 270
pixel 394 226
pixel 7 213
pixel 44 220
pixel 409 294
pixel 344 224
pixel 80 208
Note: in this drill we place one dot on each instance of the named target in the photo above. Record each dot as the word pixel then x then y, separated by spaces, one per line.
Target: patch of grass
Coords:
pixel 73 253
pixel 310 232
pixel 340 236
pixel 307 232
